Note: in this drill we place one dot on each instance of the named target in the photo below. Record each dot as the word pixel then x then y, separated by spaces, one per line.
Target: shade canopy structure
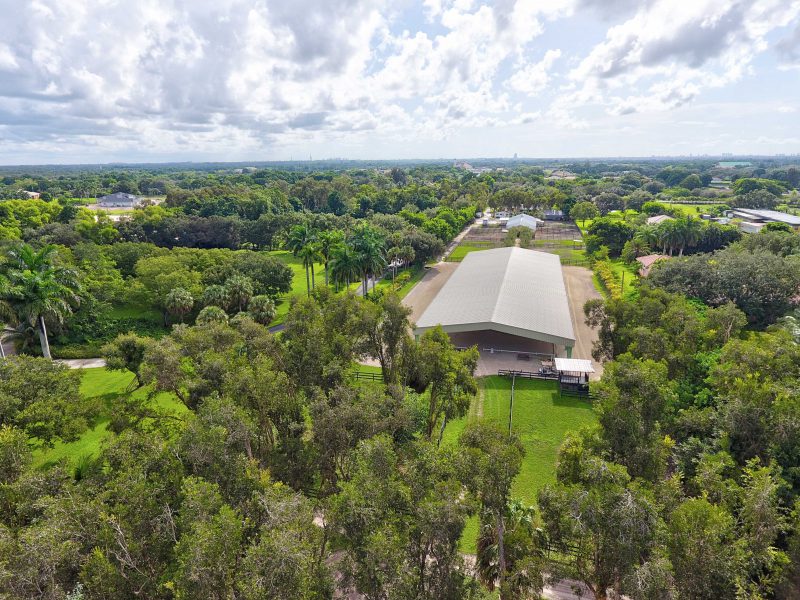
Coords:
pixel 523 220
pixel 573 365
pixel 511 290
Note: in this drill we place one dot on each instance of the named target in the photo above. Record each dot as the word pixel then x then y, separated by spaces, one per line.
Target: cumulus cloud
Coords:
pixel 670 51
pixel 155 77
pixel 531 78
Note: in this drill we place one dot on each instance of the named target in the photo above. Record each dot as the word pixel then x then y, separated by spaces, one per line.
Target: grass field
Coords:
pixel 299 286
pixel 692 210
pixel 631 276
pixel 541 419
pixel 107 387
pixel 464 248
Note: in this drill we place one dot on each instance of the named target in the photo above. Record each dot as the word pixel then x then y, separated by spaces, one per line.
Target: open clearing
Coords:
pixel 541 419
pixel 106 387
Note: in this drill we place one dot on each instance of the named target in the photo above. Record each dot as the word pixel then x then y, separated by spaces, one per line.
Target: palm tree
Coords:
pixel 310 254
pixel 393 256
pixel 239 290
pixel 328 240
pixel 179 302
pixel 369 245
pixel 522 540
pixel 261 309
pixel 691 232
pixel 648 235
pixel 345 266
pixel 791 324
pixel 38 290
pixel 215 295
pixel 299 237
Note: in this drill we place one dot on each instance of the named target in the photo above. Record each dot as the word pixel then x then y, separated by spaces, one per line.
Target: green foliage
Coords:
pixel 211 314
pixel 126 353
pixel 717 278
pixel 41 398
pixel 608 279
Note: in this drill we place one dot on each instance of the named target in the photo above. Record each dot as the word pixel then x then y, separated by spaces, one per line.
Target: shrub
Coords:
pixel 606 275
pixel 211 314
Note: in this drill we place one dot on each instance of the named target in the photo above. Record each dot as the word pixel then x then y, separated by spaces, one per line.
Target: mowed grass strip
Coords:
pixel 464 248
pixel 107 387
pixel 541 419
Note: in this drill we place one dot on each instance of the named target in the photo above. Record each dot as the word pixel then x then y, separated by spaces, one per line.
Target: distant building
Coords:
pixel 716 182
pixel 119 200
pixel 523 220
pixel 749 227
pixel 658 219
pixel 732 164
pixel 28 194
pixel 648 261
pixel 561 174
pixel 553 214
pixel 763 216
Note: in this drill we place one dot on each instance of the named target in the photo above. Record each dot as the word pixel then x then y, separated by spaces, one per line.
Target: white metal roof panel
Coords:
pixel 512 290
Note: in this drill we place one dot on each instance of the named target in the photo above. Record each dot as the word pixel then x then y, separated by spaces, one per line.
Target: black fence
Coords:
pixel 368 376
pixel 528 374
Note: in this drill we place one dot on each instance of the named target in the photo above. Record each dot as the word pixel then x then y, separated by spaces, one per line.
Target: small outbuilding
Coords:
pixel 119 200
pixel 573 375
pixel 648 261
pixel 658 219
pixel 523 220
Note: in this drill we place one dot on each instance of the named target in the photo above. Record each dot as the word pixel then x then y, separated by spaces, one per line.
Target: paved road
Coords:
pixel 82 363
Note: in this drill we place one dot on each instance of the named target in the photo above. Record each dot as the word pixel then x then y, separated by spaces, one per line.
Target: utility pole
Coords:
pixel 511 404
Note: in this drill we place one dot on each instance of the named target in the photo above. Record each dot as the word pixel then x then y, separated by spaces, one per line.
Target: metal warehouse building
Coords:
pixel 506 299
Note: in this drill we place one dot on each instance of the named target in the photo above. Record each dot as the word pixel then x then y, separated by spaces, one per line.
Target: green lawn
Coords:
pixel 630 272
pixel 692 210
pixel 299 287
pixel 541 419
pixel 135 311
pixel 464 248
pixel 106 387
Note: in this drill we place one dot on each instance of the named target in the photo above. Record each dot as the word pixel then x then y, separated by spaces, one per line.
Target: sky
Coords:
pixel 94 81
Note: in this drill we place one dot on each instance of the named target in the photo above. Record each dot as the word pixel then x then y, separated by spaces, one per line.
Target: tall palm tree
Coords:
pixel 299 239
pixel 691 232
pixel 310 254
pixel 179 302
pixel 369 246
pixel 345 265
pixel 648 235
pixel 328 240
pixel 38 289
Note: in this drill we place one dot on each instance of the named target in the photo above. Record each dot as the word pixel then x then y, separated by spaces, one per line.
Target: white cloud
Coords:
pixel 671 50
pixel 531 78
pixel 217 77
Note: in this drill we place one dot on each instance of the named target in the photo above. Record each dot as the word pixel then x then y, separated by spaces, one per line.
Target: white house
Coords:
pixel 523 220
pixel 119 200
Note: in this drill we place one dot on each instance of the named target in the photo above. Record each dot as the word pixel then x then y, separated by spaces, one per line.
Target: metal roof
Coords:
pixel 574 365
pixel 511 290
pixel 523 220
pixel 770 215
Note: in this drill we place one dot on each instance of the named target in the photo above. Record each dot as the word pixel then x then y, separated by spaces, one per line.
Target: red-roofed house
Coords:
pixel 648 261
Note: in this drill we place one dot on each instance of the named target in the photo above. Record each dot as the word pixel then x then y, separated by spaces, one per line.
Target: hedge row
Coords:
pixel 606 275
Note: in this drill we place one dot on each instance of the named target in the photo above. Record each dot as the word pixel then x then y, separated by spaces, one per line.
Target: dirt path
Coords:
pixel 580 288
pixel 425 291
